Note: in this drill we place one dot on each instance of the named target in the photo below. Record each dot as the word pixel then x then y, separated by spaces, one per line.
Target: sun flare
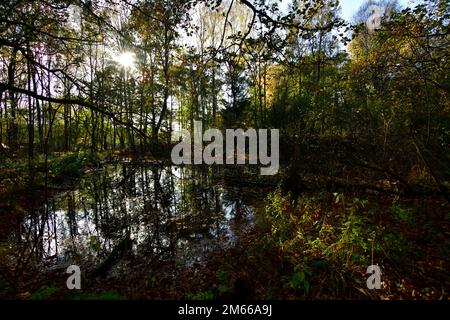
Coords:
pixel 126 59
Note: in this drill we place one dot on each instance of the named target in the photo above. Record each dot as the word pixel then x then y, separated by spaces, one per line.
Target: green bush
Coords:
pixel 317 236
pixel 404 215
pixel 66 165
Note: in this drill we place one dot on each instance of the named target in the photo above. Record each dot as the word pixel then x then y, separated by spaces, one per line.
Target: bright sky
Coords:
pixel 350 7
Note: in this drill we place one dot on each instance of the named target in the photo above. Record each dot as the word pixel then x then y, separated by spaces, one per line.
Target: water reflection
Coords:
pixel 146 213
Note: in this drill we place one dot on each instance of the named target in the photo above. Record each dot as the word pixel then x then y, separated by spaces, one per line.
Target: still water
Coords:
pixel 149 212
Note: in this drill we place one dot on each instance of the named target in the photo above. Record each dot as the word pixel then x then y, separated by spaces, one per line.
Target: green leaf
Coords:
pixel 297 279
pixel 306 285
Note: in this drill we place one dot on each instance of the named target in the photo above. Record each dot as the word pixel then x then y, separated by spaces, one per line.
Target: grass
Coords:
pixel 51 292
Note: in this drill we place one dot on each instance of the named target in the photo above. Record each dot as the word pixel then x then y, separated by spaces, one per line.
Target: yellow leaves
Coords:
pixel 405 49
pixel 273 74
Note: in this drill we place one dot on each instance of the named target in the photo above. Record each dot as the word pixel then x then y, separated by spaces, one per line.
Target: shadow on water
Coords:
pixel 127 215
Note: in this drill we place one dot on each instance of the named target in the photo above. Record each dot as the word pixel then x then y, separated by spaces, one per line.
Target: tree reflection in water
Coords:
pixel 139 213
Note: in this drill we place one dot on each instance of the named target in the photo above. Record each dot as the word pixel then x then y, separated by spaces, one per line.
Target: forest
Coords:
pixel 94 93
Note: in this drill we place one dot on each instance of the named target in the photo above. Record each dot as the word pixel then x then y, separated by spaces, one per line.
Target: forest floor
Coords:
pixel 413 256
pixel 271 262
pixel 326 257
pixel 317 245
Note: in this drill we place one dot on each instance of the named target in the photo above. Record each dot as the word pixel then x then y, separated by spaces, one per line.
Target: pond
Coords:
pixel 128 214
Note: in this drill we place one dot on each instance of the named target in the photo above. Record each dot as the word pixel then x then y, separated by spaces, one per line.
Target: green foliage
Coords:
pixel 315 234
pixel 332 238
pixel 70 165
pixel 299 277
pixel 51 292
pixel 225 285
pixel 404 215
pixel 94 243
pixel 202 295
pixel 66 165
pixel 45 293
pixel 107 295
pixel 91 159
